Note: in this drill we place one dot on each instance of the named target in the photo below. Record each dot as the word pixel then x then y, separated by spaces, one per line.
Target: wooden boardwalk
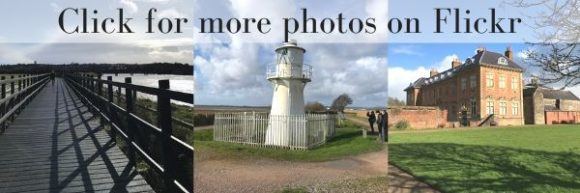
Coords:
pixel 56 145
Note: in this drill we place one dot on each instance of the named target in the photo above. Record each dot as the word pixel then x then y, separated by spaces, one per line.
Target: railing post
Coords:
pixel 130 124
pixel 3 87
pixel 119 95
pixel 12 85
pixel 164 119
pixel 92 82
pixel 19 82
pixel 99 85
pixel 109 106
pixel 3 106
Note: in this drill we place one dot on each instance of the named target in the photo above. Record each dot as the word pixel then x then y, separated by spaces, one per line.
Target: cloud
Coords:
pixel 230 70
pixel 64 53
pixel 400 78
pixel 406 50
pixel 171 13
pixel 130 4
pixel 55 7
pixel 575 90
pixel 11 56
pixel 236 73
pixel 445 63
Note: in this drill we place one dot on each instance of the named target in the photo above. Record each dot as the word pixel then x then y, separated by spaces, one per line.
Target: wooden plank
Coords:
pixel 56 145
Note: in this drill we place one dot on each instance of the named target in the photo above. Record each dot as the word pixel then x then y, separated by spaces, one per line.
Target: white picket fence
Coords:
pixel 263 130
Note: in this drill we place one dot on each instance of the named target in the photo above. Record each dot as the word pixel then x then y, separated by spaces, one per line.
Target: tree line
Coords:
pixel 151 68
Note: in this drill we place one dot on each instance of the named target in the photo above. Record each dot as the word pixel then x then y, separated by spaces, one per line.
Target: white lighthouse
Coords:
pixel 289 76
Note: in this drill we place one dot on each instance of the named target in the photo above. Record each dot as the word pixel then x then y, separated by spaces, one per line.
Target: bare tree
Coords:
pixel 341 102
pixel 557 26
pixel 315 107
pixel 558 63
pixel 395 102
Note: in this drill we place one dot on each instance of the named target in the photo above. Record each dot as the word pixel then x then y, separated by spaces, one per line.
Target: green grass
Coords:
pixel 294 190
pixel 512 159
pixel 348 141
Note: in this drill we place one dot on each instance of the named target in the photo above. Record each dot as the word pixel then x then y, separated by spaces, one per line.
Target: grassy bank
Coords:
pixel 511 159
pixel 348 141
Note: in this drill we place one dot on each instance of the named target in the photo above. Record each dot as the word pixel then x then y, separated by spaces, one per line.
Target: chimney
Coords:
pixel 480 50
pixel 433 72
pixel 535 81
pixel 455 63
pixel 508 53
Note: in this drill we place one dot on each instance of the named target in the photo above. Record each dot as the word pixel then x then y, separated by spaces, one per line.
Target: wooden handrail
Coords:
pixel 10 105
pixel 90 90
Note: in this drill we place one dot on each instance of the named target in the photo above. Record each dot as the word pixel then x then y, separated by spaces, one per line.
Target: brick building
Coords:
pixel 544 105
pixel 485 88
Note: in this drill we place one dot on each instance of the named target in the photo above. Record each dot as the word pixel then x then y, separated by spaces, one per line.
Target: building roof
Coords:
pixel 550 93
pixel 558 94
pixel 492 58
pixel 417 84
pixel 482 57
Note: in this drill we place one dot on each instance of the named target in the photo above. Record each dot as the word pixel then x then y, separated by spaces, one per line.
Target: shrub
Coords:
pixel 402 125
pixel 203 119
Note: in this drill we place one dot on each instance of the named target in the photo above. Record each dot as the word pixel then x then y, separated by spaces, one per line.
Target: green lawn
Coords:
pixel 512 159
pixel 347 141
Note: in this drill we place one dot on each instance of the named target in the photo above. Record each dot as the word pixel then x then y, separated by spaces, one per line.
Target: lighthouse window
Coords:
pixel 502 61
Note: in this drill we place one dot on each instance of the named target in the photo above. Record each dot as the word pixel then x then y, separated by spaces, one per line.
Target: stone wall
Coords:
pixel 419 117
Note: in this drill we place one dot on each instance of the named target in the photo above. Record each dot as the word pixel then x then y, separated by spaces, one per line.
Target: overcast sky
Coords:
pixel 30 32
pixel 230 68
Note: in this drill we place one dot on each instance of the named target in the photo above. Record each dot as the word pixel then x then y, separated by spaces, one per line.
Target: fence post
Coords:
pixel 3 110
pixel 20 82
pixel 130 124
pixel 3 86
pixel 12 85
pixel 109 106
pixel 99 85
pixel 164 119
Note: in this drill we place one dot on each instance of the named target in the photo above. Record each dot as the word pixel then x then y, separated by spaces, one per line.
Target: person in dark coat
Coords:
pixel 385 126
pixel 372 118
pixel 52 77
pixel 379 116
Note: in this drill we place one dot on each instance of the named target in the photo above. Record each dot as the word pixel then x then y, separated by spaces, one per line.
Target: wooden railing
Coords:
pixel 155 144
pixel 15 93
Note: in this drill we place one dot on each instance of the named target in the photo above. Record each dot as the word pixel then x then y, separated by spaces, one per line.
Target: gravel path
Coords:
pixel 271 176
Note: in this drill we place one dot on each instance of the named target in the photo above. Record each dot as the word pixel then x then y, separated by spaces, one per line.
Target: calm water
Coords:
pixel 180 83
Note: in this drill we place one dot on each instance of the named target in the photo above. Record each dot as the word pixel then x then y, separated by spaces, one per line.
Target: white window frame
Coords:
pixel 502 108
pixel 490 107
pixel 489 79
pixel 472 81
pixel 463 83
pixel 515 108
pixel 515 83
pixel 502 61
pixel 502 79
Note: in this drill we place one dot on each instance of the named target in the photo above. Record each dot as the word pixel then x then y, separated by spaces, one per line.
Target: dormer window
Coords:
pixel 502 61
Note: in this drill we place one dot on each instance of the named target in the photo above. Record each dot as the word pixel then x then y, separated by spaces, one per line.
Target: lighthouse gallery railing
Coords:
pixel 289 72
